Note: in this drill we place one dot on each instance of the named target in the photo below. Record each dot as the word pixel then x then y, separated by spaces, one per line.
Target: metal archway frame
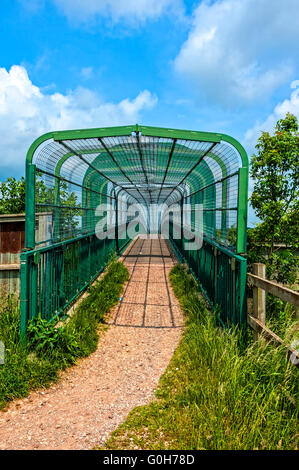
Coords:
pixel 149 164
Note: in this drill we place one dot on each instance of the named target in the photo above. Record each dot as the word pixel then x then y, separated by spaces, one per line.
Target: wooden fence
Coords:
pixel 12 237
pixel 257 321
pixel 12 241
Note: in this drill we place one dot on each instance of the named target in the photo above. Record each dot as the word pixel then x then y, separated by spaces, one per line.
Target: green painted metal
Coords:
pixel 30 206
pixel 179 134
pixel 242 210
pixel 68 173
pixel 221 275
pixel 145 130
pixel 24 304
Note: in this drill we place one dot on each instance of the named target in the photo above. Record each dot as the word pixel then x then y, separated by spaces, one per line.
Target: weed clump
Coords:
pixel 52 346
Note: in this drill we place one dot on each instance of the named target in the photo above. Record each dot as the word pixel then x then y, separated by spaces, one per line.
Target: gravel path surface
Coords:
pixel 95 396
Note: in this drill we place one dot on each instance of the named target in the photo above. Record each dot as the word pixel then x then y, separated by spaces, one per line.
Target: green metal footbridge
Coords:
pixel 70 173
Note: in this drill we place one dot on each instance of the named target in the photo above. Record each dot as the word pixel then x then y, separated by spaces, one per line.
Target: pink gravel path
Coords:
pixel 95 396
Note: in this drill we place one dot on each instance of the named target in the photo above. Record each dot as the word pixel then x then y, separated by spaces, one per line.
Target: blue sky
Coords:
pixel 225 66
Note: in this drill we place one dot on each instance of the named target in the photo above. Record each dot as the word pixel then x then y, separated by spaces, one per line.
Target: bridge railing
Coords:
pixel 221 275
pixel 52 277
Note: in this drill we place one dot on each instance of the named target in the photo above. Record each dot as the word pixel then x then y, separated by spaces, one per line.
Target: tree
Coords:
pixel 12 201
pixel 69 208
pixel 275 171
pixel 12 196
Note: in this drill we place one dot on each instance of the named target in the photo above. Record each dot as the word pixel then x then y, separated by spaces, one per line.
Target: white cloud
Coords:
pixel 26 112
pixel 33 5
pixel 86 73
pixel 239 52
pixel 290 105
pixel 131 11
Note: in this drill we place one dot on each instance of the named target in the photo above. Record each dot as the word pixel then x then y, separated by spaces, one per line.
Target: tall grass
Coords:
pixel 216 393
pixel 52 347
pixel 280 315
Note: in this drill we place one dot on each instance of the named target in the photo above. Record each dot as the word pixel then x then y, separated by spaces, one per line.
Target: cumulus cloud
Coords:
pixel 26 112
pixel 240 51
pixel 290 105
pixel 130 11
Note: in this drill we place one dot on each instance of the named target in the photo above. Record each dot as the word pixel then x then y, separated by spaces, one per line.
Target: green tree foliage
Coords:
pixel 12 201
pixel 12 196
pixel 275 171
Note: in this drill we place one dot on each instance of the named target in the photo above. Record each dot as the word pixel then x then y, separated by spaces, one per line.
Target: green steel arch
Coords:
pixel 68 173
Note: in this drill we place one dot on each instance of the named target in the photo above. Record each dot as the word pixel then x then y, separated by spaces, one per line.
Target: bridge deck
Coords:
pixel 148 300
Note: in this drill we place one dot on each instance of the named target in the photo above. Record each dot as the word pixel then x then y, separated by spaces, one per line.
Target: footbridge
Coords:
pixel 90 192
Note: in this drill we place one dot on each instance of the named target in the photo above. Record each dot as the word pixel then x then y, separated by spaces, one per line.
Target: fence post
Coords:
pixel 24 297
pixel 116 226
pixel 182 223
pixel 259 296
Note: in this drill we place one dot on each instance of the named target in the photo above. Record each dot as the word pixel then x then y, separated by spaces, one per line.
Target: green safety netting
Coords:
pixel 74 176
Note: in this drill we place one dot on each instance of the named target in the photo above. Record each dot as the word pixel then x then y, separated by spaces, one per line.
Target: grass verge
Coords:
pixel 215 393
pixel 51 347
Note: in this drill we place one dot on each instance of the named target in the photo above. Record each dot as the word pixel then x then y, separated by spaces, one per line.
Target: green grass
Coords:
pixel 52 347
pixel 216 393
pixel 281 316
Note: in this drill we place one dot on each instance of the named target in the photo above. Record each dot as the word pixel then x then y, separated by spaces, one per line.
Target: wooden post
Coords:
pixel 259 297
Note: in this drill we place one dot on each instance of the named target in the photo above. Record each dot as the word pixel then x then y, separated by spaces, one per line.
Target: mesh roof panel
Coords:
pixel 145 169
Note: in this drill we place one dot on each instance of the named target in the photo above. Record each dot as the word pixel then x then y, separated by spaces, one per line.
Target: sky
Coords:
pixel 226 66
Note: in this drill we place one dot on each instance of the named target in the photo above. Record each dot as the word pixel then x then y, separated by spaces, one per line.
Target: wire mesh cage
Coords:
pixel 86 179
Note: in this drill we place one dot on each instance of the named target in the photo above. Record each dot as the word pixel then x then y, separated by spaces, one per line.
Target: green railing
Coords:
pixel 52 277
pixel 221 275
